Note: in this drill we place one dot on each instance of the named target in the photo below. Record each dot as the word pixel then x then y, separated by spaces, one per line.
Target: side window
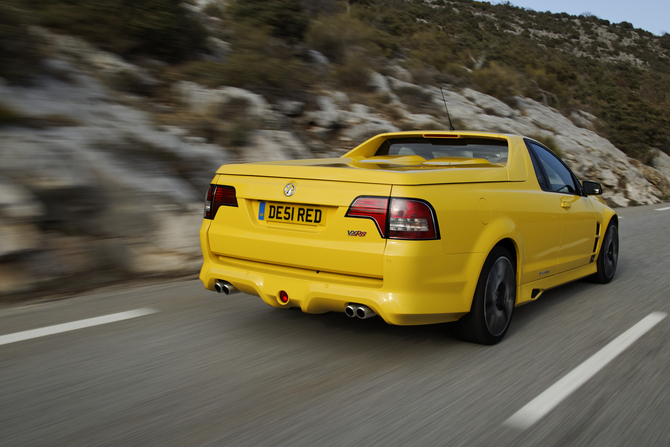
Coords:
pixel 538 171
pixel 558 177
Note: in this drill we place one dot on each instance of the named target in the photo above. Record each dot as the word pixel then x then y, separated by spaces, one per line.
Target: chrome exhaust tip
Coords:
pixel 364 312
pixel 225 287
pixel 358 310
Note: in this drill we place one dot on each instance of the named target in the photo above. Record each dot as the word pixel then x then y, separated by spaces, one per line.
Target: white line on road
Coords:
pixel 74 325
pixel 545 402
pixel 663 209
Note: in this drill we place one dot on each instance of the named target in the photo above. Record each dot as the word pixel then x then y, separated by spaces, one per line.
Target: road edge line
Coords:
pixel 550 398
pixel 74 325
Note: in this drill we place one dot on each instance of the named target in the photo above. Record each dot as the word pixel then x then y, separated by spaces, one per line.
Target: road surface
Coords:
pixel 174 364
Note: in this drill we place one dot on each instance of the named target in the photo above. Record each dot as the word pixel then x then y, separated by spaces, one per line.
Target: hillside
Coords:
pixel 114 115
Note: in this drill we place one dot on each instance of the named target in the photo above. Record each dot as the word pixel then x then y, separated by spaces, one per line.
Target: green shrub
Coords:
pixel 417 99
pixel 352 74
pixel 497 80
pixel 432 48
pixel 285 18
pixel 238 135
pixel 259 62
pixel 214 9
pixel 19 56
pixel 207 73
pixel 336 36
pixel 8 115
pixel 157 28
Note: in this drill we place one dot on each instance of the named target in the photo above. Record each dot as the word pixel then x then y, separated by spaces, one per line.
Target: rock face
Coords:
pixel 109 193
pixel 99 189
pixel 206 101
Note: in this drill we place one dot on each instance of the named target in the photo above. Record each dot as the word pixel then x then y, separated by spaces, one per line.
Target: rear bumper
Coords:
pixel 421 285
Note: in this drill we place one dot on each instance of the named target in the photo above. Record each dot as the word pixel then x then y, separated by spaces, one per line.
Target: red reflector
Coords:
pixel 437 135
pixel 374 208
pixel 217 196
pixel 412 219
pixel 283 297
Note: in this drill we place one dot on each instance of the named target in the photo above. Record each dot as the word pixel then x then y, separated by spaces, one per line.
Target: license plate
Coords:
pixel 290 213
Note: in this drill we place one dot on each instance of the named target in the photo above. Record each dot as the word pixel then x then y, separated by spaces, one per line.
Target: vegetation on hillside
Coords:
pixel 614 71
pixel 157 28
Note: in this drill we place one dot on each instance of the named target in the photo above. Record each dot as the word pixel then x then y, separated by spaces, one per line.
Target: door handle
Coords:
pixel 565 205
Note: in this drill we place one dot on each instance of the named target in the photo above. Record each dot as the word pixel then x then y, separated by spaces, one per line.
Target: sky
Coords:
pixel 650 15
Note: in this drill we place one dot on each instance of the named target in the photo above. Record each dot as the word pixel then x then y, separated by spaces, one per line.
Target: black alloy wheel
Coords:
pixel 609 255
pixel 493 303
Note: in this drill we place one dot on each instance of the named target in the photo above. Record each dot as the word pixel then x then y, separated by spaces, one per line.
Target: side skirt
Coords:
pixel 533 290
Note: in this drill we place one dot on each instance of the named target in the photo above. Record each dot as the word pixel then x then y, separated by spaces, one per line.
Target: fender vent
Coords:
pixel 595 244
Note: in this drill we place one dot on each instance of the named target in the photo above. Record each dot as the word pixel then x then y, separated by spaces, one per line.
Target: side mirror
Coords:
pixel 592 188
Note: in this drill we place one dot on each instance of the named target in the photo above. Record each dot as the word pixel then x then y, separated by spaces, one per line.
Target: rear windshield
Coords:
pixel 494 151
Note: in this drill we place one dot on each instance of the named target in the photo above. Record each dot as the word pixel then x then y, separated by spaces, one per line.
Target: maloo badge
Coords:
pixel 289 190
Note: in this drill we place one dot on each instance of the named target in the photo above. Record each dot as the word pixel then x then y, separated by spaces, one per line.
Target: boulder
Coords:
pixel 328 115
pixel 218 49
pixel 114 68
pixel 224 102
pixel 318 57
pixel 341 99
pixel 655 177
pixel 583 119
pixel 290 108
pixel 378 83
pixel 399 73
pixel 366 130
pixel 661 162
pixel 269 145
pixel 489 104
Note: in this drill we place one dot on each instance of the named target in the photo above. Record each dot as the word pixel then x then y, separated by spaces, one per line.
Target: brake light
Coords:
pixel 401 219
pixel 412 219
pixel 218 195
pixel 374 208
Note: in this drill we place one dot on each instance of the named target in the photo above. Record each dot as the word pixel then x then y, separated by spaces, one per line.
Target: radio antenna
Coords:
pixel 451 126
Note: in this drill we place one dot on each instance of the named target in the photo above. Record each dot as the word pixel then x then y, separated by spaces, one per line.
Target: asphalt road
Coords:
pixel 206 369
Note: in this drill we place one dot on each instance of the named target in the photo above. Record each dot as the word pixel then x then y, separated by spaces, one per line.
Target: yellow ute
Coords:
pixel 416 227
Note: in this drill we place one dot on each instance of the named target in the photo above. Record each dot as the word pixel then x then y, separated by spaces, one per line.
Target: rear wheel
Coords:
pixel 493 303
pixel 609 256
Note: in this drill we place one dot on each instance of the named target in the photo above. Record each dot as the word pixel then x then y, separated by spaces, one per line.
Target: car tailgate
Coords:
pixel 307 229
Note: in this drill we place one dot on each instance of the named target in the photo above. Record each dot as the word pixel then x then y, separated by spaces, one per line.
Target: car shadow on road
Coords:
pixel 250 314
pixel 550 302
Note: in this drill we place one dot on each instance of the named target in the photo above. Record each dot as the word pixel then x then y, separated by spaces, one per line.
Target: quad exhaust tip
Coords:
pixel 222 286
pixel 358 310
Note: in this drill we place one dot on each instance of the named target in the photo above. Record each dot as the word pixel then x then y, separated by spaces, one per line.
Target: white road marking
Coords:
pixel 663 209
pixel 74 325
pixel 545 402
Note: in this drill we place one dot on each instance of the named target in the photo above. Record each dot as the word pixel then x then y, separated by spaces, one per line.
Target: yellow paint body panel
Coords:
pixel 477 205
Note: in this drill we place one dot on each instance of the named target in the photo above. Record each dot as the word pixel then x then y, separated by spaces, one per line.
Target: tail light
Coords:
pixel 398 218
pixel 375 208
pixel 412 219
pixel 218 195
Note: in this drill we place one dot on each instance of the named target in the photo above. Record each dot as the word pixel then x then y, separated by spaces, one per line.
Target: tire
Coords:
pixel 609 256
pixel 493 302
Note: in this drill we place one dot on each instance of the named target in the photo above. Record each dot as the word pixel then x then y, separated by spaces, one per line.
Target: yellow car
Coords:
pixel 415 227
